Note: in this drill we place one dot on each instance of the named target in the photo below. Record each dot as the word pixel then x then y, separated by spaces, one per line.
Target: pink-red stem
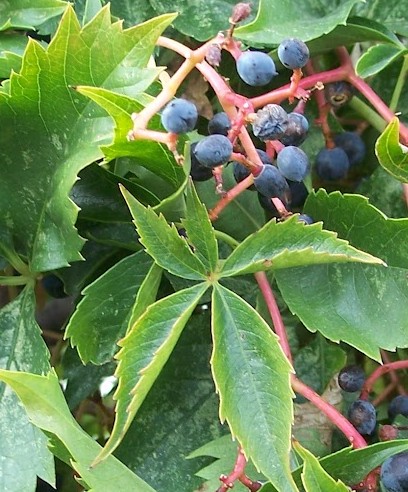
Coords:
pixel 379 372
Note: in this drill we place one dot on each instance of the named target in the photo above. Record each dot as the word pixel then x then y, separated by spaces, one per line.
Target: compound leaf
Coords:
pixel 145 350
pixel 163 242
pixel 281 245
pixel 46 407
pixel 50 133
pixel 276 19
pixel 102 316
pixel 252 377
pixel 22 446
pixel 392 155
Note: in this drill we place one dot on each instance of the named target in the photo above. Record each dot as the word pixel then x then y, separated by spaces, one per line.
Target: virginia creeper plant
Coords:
pixel 173 320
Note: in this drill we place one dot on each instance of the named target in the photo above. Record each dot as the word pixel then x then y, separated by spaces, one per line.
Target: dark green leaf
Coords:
pixel 163 242
pixel 22 14
pixel 276 20
pixel 200 231
pixel 46 407
pixel 134 12
pixel 145 350
pixel 252 377
pixel 23 447
pixel 377 58
pixel 101 318
pixel 12 47
pixel 393 14
pixel 392 155
pixel 280 245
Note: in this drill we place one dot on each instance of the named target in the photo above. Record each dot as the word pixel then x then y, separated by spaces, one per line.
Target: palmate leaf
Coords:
pixel 22 14
pixel 145 350
pixel 392 156
pixel 23 447
pixel 363 305
pixel 47 409
pixel 281 245
pixel 49 133
pixel 277 20
pixel 163 242
pixel 102 316
pixel 252 377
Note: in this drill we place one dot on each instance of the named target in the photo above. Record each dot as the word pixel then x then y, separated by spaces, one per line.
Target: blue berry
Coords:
pixel 270 122
pixel 256 68
pixel 293 53
pixel 241 172
pixel 293 163
pixel 394 473
pixel 213 151
pixel 306 219
pixel 53 286
pixel 353 146
pixel 398 406
pixel 297 129
pixel 298 193
pixel 271 183
pixel 339 93
pixel 179 116
pixel 362 415
pixel 332 164
pixel 219 124
pixel 351 378
pixel 198 172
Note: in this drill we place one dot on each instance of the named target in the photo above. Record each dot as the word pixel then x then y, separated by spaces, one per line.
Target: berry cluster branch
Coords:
pixel 238 474
pixel 378 373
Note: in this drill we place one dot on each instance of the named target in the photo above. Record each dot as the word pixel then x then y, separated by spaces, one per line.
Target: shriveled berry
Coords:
pixel 219 124
pixel 271 122
pixel 214 150
pixel 398 406
pixel 179 116
pixel 362 415
pixel 293 163
pixel 293 53
pixel 296 132
pixel 271 183
pixel 339 93
pixel 256 68
pixel 332 164
pixel 353 146
pixel 198 172
pixel 351 378
pixel 394 473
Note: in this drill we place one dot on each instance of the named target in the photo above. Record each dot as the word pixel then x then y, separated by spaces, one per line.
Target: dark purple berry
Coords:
pixel 256 68
pixel 293 53
pixel 297 129
pixel 198 172
pixel 271 122
pixel 54 286
pixel 213 151
pixel 306 219
pixel 179 116
pixel 241 172
pixel 293 163
pixel 332 164
pixel 298 193
pixel 271 183
pixel 351 378
pixel 219 124
pixel 362 415
pixel 398 406
pixel 353 146
pixel 394 473
pixel 339 93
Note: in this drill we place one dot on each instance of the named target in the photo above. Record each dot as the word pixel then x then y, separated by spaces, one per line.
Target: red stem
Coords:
pixel 393 375
pixel 379 372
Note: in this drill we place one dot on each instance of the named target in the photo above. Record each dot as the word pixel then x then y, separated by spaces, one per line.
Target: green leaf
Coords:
pixel 393 14
pixel 180 414
pixel 280 245
pixel 163 242
pixel 58 132
pixel 363 225
pixel 314 477
pixel 44 402
pixel 200 232
pixel 101 318
pixel 134 12
pixel 145 350
pixel 12 47
pixel 200 19
pixel 392 155
pixel 252 377
pixel 22 14
pixel 23 447
pixel 377 58
pixel 92 7
pixel 149 154
pixel 277 19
